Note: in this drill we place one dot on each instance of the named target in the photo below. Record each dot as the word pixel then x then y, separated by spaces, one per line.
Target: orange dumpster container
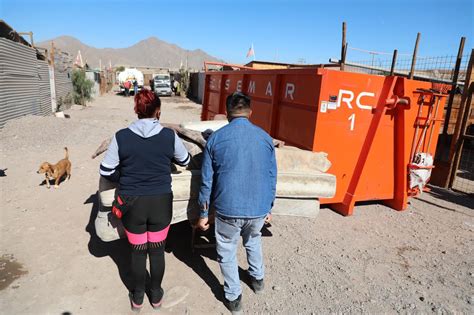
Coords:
pixel 371 126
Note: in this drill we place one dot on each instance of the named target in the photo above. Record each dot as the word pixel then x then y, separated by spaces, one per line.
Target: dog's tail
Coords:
pixel 67 153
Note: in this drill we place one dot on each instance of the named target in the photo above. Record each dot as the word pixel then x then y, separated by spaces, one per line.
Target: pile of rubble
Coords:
pixel 301 179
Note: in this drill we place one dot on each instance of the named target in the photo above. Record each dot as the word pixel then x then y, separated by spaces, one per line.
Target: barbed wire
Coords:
pixel 376 52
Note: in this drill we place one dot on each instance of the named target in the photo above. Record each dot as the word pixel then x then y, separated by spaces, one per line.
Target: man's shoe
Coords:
pixel 234 306
pixel 257 285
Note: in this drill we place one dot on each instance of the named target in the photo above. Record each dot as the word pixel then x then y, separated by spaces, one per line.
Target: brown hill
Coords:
pixel 150 52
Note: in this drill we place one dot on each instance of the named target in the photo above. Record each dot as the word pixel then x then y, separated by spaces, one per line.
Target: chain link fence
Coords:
pixel 438 69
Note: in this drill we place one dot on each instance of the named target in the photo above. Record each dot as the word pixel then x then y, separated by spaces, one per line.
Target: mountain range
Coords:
pixel 150 52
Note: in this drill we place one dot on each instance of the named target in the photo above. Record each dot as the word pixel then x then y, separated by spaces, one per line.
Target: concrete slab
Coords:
pixel 308 208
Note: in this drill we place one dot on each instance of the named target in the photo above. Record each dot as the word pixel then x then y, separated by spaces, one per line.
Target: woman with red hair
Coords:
pixel 139 158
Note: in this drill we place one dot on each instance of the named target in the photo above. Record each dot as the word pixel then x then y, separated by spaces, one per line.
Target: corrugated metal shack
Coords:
pixel 25 83
pixel 94 76
pixel 19 82
pixel 196 86
pixel 44 88
pixel 62 79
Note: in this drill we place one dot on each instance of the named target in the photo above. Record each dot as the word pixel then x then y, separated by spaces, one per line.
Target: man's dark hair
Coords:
pixel 237 103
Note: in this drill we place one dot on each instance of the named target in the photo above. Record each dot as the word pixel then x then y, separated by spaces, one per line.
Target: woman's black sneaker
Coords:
pixel 156 298
pixel 234 306
pixel 136 301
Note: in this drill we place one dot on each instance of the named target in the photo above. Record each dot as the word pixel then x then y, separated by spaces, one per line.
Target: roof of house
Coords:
pixel 6 31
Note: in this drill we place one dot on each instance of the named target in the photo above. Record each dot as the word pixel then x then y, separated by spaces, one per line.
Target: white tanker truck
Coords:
pixel 130 74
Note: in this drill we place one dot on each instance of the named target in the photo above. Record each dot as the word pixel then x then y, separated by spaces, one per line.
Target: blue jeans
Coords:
pixel 228 232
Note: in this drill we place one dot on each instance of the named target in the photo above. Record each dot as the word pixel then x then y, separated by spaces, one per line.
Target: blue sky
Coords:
pixel 284 31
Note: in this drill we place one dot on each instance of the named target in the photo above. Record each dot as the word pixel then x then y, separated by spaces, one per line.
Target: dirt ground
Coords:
pixel 377 261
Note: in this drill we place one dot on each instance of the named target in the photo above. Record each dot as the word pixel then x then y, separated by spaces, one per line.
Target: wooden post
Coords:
pixel 343 46
pixel 460 143
pixel 394 61
pixel 413 60
pixel 461 122
pixel 51 56
pixel 31 37
pixel 343 61
pixel 454 84
pixel 52 80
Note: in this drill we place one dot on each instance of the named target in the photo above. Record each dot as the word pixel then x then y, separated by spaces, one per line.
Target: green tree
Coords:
pixel 184 81
pixel 82 87
pixel 119 69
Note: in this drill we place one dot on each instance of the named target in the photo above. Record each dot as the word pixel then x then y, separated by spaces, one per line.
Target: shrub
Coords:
pixel 82 87
pixel 184 81
pixel 68 99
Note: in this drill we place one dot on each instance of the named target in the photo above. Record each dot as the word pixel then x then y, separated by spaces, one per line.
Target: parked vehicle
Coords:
pixel 162 84
pixel 130 74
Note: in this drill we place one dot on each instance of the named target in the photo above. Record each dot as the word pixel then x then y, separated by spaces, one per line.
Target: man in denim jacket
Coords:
pixel 239 181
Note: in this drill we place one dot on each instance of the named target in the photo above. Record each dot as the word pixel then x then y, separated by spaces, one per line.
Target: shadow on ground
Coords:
pixel 459 198
pixel 118 251
pixel 52 182
pixel 179 244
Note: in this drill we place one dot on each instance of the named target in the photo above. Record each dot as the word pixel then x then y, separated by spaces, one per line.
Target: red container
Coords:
pixel 371 126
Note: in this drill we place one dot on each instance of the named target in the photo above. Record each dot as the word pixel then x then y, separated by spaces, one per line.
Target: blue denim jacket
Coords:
pixel 239 171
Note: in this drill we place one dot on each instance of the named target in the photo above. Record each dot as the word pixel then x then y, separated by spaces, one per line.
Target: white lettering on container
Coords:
pixel 269 89
pixel 290 89
pixel 347 100
pixel 239 86
pixel 251 88
pixel 361 95
pixel 347 97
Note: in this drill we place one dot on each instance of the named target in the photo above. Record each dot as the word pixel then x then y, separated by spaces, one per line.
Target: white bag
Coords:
pixel 419 177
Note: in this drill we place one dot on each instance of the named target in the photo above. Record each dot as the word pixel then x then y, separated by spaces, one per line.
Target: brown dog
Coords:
pixel 56 171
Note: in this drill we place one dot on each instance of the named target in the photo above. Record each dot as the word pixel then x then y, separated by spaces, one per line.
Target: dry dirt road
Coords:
pixel 377 261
